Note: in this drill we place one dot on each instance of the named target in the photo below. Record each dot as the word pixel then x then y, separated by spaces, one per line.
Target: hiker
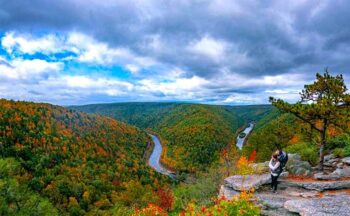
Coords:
pixel 275 168
pixel 282 158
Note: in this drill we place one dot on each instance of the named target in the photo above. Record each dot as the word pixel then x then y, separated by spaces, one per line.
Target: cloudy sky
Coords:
pixel 207 51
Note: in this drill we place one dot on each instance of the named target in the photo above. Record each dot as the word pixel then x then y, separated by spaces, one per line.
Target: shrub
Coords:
pixel 347 151
pixel 150 210
pixel 342 141
pixel 239 205
pixel 339 152
pixel 199 193
pixel 243 166
pixel 307 151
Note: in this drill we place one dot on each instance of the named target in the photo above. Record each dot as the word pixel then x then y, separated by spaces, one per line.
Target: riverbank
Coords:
pixel 154 159
pixel 241 141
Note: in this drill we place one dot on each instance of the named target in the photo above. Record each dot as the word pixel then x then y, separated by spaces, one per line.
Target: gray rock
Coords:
pixel 346 160
pixel 271 200
pixel 319 185
pixel 284 175
pixel 328 157
pixel 327 164
pixel 344 172
pixel 333 161
pixel 227 192
pixel 292 157
pixel 299 168
pixel 340 172
pixel 322 176
pixel 328 205
pixel 340 165
pixel 240 182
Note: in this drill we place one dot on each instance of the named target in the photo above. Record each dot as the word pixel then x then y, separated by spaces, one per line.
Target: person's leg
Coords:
pixel 276 182
pixel 272 182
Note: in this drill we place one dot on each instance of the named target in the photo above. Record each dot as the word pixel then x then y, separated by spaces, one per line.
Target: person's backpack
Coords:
pixel 283 158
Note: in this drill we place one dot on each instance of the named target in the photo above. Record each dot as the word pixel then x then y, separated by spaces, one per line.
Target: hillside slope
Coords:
pixel 193 135
pixel 82 163
pixel 252 112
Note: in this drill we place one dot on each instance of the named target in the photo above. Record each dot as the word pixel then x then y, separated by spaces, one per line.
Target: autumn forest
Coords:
pixel 92 159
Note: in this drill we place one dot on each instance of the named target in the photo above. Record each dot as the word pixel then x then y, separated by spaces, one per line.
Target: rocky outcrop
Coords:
pixel 295 166
pixel 227 192
pixel 241 182
pixel 346 161
pixel 319 185
pixel 246 182
pixel 328 205
pixel 335 168
pixel 322 176
pixel 297 196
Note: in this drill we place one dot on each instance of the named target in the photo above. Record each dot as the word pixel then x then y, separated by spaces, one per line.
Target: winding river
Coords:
pixel 155 158
pixel 247 130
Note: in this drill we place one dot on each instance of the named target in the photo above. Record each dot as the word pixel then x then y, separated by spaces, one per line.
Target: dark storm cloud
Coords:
pixel 273 37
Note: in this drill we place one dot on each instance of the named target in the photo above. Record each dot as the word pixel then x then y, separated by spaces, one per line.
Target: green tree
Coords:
pixel 323 104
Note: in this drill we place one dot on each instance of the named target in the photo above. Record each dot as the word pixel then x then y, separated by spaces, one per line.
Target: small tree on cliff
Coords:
pixel 323 104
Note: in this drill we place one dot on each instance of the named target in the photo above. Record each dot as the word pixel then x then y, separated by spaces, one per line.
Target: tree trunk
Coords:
pixel 323 143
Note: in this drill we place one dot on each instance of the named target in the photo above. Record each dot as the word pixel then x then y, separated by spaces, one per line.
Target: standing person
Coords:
pixel 275 166
pixel 282 158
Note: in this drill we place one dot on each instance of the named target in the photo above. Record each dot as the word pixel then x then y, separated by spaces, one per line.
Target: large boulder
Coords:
pixel 296 166
pixel 328 157
pixel 328 205
pixel 246 182
pixel 342 172
pixel 227 192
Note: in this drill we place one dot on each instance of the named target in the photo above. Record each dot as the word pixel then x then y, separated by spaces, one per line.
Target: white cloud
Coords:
pixel 243 99
pixel 283 91
pixel 93 52
pixel 185 88
pixel 85 82
pixel 28 44
pixel 220 51
pixel 86 49
pixel 48 80
pixel 209 47
pixel 28 69
pixel 132 68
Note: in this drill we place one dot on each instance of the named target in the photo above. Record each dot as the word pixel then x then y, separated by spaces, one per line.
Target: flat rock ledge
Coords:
pixel 240 182
pixel 319 185
pixel 328 205
pixel 293 197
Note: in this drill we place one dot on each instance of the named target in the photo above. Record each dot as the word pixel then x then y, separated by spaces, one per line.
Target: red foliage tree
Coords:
pixel 252 156
pixel 165 198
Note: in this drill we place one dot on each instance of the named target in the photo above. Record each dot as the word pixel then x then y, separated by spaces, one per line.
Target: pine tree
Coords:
pixel 323 104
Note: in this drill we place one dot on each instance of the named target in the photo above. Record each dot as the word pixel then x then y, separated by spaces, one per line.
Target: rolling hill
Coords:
pixel 69 162
pixel 192 134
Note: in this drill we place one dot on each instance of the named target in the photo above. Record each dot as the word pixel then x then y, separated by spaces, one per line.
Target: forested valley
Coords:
pixel 93 159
